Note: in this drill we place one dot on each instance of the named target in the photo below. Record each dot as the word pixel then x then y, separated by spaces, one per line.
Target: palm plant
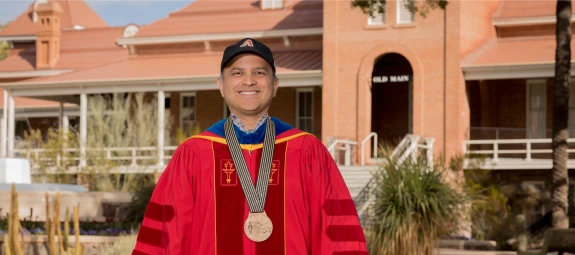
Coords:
pixel 414 207
pixel 559 172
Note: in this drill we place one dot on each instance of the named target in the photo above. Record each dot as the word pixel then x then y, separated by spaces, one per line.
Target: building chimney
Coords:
pixel 47 34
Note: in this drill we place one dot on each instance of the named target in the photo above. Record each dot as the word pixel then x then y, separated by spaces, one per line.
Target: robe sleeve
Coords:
pixel 334 220
pixel 170 208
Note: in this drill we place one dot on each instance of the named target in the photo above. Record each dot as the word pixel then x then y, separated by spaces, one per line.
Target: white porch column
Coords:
pixel 4 126
pixel 61 116
pixel 65 124
pixel 83 128
pixel 3 134
pixel 11 126
pixel 161 109
pixel 65 127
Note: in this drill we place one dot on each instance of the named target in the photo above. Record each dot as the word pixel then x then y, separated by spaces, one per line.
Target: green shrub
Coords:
pixel 490 212
pixel 140 198
pixel 414 207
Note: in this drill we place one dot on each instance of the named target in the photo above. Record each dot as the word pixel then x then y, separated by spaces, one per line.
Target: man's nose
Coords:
pixel 249 79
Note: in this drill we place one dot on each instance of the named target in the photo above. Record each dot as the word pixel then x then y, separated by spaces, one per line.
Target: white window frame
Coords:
pixel 541 82
pixel 297 98
pixel 399 6
pixel 180 117
pixel 271 4
pixel 532 210
pixel 377 19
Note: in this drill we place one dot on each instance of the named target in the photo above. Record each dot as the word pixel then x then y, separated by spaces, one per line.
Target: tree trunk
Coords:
pixel 560 177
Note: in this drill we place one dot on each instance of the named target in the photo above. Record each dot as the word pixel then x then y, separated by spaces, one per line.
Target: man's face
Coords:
pixel 248 85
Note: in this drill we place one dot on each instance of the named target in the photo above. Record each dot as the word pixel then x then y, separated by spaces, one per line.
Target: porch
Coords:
pixel 192 102
pixel 511 122
pixel 513 154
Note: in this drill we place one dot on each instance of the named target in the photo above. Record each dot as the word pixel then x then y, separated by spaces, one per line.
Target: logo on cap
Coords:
pixel 247 42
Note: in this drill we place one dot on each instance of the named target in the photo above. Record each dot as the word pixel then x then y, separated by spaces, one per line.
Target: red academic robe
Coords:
pixel 198 206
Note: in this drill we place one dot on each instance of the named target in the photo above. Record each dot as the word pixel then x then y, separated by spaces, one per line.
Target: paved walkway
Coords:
pixel 466 252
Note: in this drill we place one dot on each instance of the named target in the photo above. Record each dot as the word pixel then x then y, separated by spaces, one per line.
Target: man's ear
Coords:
pixel 220 85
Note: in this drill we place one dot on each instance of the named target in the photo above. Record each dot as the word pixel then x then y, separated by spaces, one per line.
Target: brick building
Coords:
pixel 477 76
pixel 55 66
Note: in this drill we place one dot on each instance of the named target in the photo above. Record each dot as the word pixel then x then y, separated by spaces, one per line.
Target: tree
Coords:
pixel 3 50
pixel 372 6
pixel 115 121
pixel 559 173
pixel 3 45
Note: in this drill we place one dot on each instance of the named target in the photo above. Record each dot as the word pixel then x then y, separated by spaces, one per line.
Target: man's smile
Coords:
pixel 248 92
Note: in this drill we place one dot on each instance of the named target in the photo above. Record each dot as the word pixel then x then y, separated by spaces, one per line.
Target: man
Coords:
pixel 250 184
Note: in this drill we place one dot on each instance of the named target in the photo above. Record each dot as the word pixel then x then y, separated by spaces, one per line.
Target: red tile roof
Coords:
pixel 178 66
pixel 94 55
pixel 516 51
pixel 24 61
pixel 210 17
pixel 526 8
pixel 74 13
pixel 78 49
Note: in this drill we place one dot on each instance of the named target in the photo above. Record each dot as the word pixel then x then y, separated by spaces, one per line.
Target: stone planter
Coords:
pixel 38 245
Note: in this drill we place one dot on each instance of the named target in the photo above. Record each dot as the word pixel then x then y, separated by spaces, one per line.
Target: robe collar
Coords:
pixel 238 122
pixel 251 138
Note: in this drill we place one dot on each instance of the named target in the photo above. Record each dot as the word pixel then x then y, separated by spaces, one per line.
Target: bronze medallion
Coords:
pixel 258 227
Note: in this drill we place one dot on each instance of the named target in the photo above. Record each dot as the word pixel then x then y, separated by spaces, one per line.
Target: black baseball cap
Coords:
pixel 248 45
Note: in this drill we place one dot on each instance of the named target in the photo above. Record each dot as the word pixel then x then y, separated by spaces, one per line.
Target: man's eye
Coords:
pixel 260 73
pixel 236 73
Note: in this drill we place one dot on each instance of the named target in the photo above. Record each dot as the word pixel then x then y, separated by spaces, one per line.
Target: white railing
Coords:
pixel 368 138
pixel 428 147
pixel 135 155
pixel 497 152
pixel 501 133
pixel 409 146
pixel 336 147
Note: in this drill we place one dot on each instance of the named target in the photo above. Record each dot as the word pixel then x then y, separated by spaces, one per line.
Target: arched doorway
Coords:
pixel 391 98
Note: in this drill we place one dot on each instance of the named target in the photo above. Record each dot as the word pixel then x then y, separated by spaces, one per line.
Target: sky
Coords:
pixel 114 12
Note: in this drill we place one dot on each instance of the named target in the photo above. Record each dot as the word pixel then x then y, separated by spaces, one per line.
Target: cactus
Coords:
pixel 56 223
pixel 66 230
pixel 51 239
pixel 7 245
pixel 53 228
pixel 78 248
pixel 12 243
pixel 49 228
